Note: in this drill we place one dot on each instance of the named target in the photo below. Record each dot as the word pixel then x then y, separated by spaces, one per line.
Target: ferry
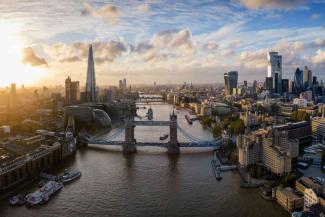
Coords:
pixel 43 194
pixel 17 200
pixel 70 176
pixel 165 136
pixel 150 114
pixel 189 121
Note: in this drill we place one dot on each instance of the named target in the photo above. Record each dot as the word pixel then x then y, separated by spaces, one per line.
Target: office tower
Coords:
pixel 245 84
pixel 72 91
pixel 318 129
pixel 124 84
pixel 290 86
pixel 307 77
pixel 231 80
pixel 315 80
pixel 285 86
pixel 109 95
pixel 275 67
pixel 120 84
pixel 91 80
pixel 12 99
pixel 254 86
pixel 298 81
pixel 269 84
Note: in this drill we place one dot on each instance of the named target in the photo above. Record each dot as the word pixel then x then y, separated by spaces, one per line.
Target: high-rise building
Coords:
pixel 72 91
pixel 269 84
pixel 307 77
pixel 120 84
pixel 124 83
pixel 13 96
pixel 274 69
pixel 285 86
pixel 231 81
pixel 298 81
pixel 318 129
pixel 91 79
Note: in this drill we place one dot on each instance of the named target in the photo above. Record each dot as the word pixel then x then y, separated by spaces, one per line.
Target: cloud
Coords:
pixel 109 12
pixel 272 4
pixel 315 16
pixel 29 57
pixel 144 8
pixel 104 52
pixel 318 58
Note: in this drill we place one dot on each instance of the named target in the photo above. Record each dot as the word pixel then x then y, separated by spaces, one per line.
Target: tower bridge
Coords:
pixel 173 146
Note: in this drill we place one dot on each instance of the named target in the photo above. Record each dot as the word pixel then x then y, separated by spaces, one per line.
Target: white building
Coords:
pixel 300 102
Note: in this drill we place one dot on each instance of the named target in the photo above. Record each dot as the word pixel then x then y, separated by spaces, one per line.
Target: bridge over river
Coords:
pixel 173 145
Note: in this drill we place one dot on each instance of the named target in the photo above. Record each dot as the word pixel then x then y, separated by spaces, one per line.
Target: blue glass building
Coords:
pixel 298 81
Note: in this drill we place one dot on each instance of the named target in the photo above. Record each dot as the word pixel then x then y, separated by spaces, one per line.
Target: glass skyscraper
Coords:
pixel 274 70
pixel 298 81
pixel 91 79
pixel 231 81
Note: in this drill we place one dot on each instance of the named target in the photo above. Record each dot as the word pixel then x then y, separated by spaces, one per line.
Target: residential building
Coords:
pixel 72 91
pixel 289 199
pixel 318 129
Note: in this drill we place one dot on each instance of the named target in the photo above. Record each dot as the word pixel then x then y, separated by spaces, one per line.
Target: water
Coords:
pixel 150 183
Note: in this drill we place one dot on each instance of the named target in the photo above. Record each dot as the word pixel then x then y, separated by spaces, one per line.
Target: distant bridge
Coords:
pixel 129 145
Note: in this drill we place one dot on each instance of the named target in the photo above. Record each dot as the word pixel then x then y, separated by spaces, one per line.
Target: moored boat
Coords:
pixel 43 194
pixel 70 176
pixel 17 200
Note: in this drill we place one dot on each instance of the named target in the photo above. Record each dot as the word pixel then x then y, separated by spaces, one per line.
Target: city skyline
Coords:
pixel 154 41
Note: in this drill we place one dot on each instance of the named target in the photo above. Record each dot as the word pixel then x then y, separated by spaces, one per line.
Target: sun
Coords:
pixel 12 69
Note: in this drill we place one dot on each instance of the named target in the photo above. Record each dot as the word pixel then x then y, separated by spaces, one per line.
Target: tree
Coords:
pixel 300 116
pixel 207 121
pixel 216 131
pixel 260 109
pixel 275 108
pixel 237 127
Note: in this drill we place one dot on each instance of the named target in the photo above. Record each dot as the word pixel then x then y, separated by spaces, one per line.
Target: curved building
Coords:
pixel 298 81
pixel 231 81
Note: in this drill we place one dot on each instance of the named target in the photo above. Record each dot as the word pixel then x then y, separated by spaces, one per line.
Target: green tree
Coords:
pixel 216 131
pixel 260 109
pixel 300 116
pixel 275 108
pixel 207 121
pixel 237 127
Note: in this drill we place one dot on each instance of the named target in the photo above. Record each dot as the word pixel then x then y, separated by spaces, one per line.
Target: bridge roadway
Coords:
pixel 158 144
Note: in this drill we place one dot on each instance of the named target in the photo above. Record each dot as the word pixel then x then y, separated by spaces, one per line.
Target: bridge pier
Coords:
pixel 129 144
pixel 172 146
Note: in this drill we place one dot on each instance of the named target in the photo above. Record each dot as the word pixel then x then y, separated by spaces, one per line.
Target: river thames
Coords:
pixel 150 183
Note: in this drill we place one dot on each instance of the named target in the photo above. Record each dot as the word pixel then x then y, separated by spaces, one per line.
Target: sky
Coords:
pixel 195 41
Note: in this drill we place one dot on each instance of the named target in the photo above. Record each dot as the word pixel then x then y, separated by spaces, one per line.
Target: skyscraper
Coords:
pixel 72 91
pixel 307 77
pixel 298 81
pixel 124 83
pixel 269 84
pixel 274 70
pixel 231 81
pixel 91 80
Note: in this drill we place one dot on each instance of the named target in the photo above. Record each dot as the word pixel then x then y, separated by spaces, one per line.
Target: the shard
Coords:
pixel 91 79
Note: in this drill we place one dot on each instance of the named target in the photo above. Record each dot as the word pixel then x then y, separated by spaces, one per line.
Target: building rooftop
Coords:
pixel 290 193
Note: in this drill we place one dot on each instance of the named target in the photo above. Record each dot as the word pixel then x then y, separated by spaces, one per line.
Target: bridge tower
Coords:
pixel 129 145
pixel 172 146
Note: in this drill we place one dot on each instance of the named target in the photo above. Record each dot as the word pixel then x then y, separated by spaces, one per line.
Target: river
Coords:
pixel 150 183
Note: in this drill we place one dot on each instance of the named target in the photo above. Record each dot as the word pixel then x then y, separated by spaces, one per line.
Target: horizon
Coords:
pixel 158 41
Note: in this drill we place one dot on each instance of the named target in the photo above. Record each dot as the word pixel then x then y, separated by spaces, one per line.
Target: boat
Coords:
pixel 70 176
pixel 189 121
pixel 165 136
pixel 17 200
pixel 43 194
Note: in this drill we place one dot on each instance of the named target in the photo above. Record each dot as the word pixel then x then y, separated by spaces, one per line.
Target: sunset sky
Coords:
pixel 42 42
